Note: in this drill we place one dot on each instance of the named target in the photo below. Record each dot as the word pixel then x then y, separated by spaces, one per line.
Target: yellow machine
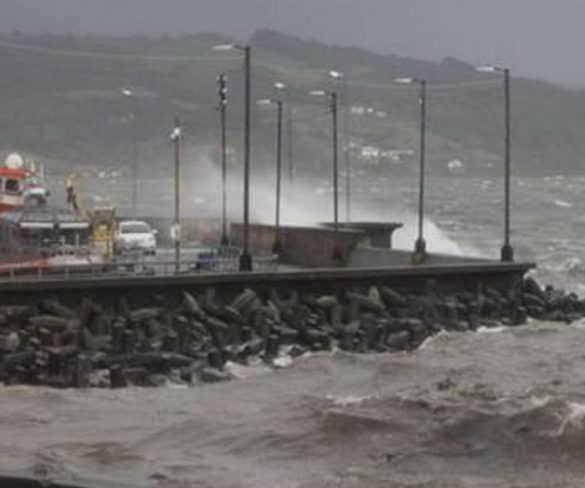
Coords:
pixel 103 230
pixel 102 221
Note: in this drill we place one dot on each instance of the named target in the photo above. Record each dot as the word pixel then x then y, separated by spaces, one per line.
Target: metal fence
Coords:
pixel 223 260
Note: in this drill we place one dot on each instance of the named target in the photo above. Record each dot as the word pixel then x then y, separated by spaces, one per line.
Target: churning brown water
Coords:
pixel 494 409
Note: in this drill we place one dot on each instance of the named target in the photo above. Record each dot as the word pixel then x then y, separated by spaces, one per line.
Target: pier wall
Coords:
pixel 140 289
pixel 308 247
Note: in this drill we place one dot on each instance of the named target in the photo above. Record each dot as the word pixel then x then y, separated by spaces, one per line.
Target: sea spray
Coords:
pixel 307 202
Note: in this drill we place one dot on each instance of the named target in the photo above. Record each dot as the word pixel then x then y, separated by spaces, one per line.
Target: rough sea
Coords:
pixel 499 408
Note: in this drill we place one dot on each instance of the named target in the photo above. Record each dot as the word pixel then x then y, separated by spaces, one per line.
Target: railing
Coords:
pixel 205 262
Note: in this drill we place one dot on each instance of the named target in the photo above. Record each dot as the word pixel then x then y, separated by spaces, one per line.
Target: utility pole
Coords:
pixel 246 257
pixel 176 232
pixel 222 91
pixel 277 246
pixel 128 93
pixel 245 261
pixel 335 162
pixel 333 99
pixel 289 147
pixel 339 77
pixel 420 245
pixel 346 153
pixel 507 251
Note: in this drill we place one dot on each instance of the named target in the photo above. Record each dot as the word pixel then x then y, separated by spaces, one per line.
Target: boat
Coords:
pixel 35 235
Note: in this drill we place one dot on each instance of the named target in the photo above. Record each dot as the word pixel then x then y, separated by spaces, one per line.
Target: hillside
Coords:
pixel 62 102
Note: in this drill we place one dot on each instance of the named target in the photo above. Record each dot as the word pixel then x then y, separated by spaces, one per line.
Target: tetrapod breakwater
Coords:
pixel 187 335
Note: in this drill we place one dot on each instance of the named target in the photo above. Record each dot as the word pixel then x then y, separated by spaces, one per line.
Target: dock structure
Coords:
pixel 319 258
pixel 448 274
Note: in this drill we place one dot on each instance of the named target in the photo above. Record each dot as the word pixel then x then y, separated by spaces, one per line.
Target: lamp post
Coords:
pixel 332 95
pixel 339 77
pixel 245 257
pixel 507 252
pixel 289 147
pixel 222 92
pixel 128 93
pixel 176 229
pixel 277 245
pixel 420 244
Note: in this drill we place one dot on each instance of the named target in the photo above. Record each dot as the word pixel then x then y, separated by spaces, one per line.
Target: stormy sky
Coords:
pixel 537 38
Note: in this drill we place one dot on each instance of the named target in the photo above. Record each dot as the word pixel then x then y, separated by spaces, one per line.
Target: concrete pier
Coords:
pixel 449 275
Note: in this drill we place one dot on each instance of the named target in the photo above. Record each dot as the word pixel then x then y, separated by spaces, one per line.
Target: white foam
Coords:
pixel 240 371
pixel 538 402
pixel 283 361
pixel 563 204
pixel 572 264
pixel 348 400
pixel 491 330
pixel 433 338
pixel 437 240
pixel 574 418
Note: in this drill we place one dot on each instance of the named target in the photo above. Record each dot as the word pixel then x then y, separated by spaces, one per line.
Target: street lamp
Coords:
pixel 339 77
pixel 420 244
pixel 332 95
pixel 245 257
pixel 277 245
pixel 128 93
pixel 176 228
pixel 507 252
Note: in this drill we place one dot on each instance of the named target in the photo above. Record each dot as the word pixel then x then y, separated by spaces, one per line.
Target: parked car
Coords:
pixel 135 235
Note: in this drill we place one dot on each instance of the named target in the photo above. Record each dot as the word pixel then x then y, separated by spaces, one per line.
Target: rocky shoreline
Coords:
pixel 114 346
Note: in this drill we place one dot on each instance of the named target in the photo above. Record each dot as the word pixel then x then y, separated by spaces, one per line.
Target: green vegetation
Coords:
pixel 64 105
